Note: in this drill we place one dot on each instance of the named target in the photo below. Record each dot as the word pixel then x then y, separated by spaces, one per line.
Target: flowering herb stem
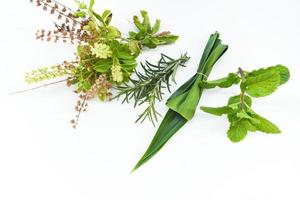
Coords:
pixel 35 88
pixel 104 56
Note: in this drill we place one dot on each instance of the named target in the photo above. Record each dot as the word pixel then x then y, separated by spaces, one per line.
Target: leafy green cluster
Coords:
pixel 107 52
pixel 242 117
pixel 148 35
pixel 102 49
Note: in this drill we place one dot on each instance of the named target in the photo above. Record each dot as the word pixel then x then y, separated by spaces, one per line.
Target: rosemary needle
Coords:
pixel 149 85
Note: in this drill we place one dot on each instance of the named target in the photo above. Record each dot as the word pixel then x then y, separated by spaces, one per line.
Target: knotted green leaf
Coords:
pixel 184 101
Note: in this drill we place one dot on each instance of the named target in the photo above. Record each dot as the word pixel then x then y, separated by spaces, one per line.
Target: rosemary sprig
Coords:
pixel 149 85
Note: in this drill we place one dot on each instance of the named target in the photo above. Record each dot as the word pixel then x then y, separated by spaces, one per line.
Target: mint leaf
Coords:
pixel 237 132
pixel 225 82
pixel 217 111
pixel 249 126
pixel 243 115
pixel 237 100
pixel 261 83
pixel 266 126
pixel 283 72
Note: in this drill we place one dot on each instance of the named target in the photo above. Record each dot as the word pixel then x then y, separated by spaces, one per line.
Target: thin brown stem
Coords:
pixel 242 73
pixel 35 88
pixel 61 13
pixel 63 6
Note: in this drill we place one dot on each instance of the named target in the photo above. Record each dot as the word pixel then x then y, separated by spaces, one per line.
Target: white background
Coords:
pixel 43 158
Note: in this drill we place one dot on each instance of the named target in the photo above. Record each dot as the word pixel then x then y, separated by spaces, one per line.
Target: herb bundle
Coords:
pixel 104 57
pixel 182 104
pixel 242 117
pixel 106 60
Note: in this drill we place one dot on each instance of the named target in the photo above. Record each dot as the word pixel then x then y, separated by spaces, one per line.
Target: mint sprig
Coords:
pixel 241 116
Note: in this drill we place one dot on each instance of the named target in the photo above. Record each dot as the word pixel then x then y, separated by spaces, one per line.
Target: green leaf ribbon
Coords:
pixel 183 103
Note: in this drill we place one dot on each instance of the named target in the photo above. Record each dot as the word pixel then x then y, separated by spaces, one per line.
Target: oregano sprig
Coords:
pixel 241 116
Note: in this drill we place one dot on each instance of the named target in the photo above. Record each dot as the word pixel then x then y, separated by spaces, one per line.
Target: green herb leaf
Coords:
pixel 237 132
pixel 107 16
pixel 171 123
pixel 113 32
pixel 225 82
pixel 184 101
pixel 134 47
pixel 102 65
pixel 156 27
pixel 244 115
pixel 261 83
pixel 146 21
pixel 266 126
pixel 148 36
pixel 217 111
pixel 138 24
pixel 283 72
pixel 237 100
pixel 249 126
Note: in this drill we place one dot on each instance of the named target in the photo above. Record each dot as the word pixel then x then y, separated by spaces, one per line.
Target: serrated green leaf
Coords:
pixel 237 99
pixel 225 82
pixel 266 126
pixel 237 132
pixel 249 126
pixel 283 72
pixel 217 111
pixel 262 84
pixel 243 115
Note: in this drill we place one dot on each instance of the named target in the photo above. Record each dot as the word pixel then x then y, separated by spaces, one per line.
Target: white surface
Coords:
pixel 43 158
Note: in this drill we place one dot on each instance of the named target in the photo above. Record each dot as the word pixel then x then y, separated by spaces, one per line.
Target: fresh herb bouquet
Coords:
pixel 105 59
pixel 243 119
